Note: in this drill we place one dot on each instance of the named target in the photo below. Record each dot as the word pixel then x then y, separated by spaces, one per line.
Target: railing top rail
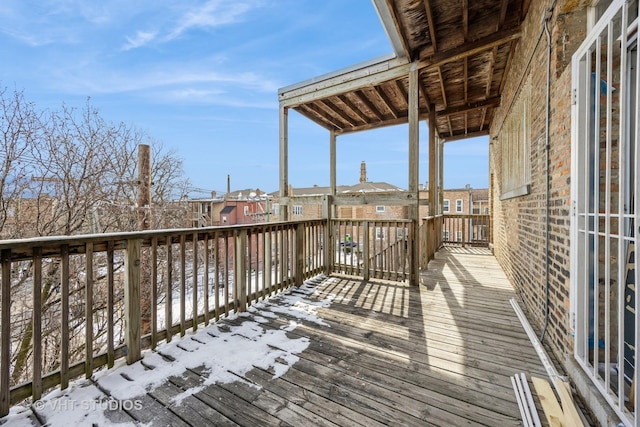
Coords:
pixel 22 248
pixel 358 220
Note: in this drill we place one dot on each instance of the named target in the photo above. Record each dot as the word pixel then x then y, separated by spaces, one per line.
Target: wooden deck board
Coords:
pixel 387 354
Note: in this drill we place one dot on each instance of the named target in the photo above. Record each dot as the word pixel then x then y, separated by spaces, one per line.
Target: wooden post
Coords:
pixel 240 271
pixel 88 312
pixel 299 254
pixel 284 163
pixel 36 389
pixel 365 250
pixel 5 333
pixel 132 319
pixel 328 237
pixel 268 270
pixel 414 163
pixel 64 318
pixel 441 174
pixel 144 187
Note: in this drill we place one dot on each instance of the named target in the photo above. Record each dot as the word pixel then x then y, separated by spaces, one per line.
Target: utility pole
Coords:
pixel 144 187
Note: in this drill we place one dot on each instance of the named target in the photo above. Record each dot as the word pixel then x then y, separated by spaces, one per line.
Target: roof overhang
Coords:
pixel 463 54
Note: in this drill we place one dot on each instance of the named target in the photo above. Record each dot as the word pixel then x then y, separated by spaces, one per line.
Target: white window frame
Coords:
pixel 515 146
pixel 600 241
pixel 446 206
pixel 246 210
pixel 459 205
pixel 459 236
pixel 297 210
pixel 380 209
pixel 380 233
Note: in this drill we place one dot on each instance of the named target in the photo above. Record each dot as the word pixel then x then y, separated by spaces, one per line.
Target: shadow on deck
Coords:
pixel 337 351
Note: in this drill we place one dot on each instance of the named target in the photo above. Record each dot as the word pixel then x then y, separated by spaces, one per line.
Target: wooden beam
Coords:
pixel 353 108
pixel 414 165
pixel 491 102
pixel 313 116
pixel 284 160
pixel 492 65
pixel 507 67
pixel 328 117
pixel 398 28
pixel 465 19
pixel 385 100
pixel 444 93
pixel 327 105
pixel 390 70
pixel 432 27
pixel 332 162
pixel 469 49
pixel 550 405
pixel 423 90
pixel 466 135
pixel 402 90
pixel 422 115
pixel 503 13
pixel 358 94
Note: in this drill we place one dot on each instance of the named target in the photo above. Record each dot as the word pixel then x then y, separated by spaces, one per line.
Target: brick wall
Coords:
pixel 520 222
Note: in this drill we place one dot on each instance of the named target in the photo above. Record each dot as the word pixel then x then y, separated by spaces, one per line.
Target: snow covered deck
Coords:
pixel 336 351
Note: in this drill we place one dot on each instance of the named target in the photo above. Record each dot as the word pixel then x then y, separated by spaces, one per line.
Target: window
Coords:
pixel 445 235
pixel 224 218
pixel 297 210
pixel 605 194
pixel 246 210
pixel 275 209
pixel 458 236
pixel 459 205
pixel 380 233
pixel 445 206
pixel 515 146
pixel 379 209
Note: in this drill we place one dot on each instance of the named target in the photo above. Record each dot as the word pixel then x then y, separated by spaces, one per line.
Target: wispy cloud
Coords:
pixel 212 14
pixel 140 39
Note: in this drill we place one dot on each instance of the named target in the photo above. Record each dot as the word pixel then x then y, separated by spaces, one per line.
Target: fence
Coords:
pixel 72 304
pixel 465 230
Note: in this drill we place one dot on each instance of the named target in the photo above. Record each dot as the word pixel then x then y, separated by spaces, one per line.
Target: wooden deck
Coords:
pixel 388 354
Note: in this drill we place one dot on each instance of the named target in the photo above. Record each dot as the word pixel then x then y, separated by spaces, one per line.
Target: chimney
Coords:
pixel 363 172
pixel 213 194
pixel 228 186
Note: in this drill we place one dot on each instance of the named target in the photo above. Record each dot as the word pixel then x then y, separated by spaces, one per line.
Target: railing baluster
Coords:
pixel 64 321
pixel 226 274
pixel 183 284
pixel 5 332
pixel 194 300
pixel 154 292
pixel 110 305
pixel 216 272
pixel 205 279
pixel 168 306
pixel 36 389
pixel 88 310
pixel 267 264
pixel 240 272
pixel 133 321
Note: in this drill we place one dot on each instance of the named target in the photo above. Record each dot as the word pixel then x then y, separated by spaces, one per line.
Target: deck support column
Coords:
pixel 414 163
pixel 284 163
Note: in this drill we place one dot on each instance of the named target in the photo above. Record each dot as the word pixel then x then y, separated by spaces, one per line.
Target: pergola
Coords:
pixel 449 67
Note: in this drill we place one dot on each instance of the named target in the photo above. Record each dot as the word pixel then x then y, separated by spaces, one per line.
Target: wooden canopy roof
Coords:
pixel 463 49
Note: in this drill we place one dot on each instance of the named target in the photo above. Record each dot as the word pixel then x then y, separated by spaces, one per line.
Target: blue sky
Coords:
pixel 202 76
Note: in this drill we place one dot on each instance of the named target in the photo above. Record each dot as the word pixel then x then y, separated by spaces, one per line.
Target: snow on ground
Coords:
pixel 225 351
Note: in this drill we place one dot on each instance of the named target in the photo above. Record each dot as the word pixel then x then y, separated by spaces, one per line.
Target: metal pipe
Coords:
pixel 547 18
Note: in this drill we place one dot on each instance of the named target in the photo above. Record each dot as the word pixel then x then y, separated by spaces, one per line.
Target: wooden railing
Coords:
pixel 72 304
pixel 466 230
pixel 430 239
pixel 371 249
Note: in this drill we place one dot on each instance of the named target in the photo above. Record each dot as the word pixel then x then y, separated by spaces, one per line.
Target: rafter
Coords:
pixel 358 94
pixel 402 90
pixel 444 93
pixel 313 116
pixel 492 65
pixel 330 106
pixel 503 13
pixel 350 105
pixel 465 19
pixel 328 118
pixel 432 27
pixel 465 136
pixel 385 100
pixel 488 103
